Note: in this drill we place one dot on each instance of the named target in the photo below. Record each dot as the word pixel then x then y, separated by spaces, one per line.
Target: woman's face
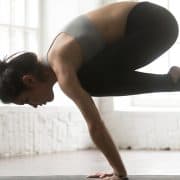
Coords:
pixel 38 94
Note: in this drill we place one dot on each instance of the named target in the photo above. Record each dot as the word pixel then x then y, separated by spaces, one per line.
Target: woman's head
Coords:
pixel 23 79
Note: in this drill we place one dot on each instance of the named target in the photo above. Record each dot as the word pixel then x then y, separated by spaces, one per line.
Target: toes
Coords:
pixel 174 73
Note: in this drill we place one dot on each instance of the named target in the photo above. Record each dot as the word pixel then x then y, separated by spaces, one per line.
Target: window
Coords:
pixel 168 59
pixel 19 26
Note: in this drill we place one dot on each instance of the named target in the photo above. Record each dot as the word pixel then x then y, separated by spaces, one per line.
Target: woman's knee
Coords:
pixel 168 36
pixel 173 33
pixel 171 30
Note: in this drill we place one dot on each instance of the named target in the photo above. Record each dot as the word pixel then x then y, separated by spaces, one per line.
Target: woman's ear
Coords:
pixel 29 80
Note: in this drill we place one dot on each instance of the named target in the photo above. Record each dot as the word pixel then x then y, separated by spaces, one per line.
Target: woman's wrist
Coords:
pixel 123 176
pixel 121 173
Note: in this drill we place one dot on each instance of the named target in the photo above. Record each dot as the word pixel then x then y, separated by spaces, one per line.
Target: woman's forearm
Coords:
pixel 104 142
pixel 72 88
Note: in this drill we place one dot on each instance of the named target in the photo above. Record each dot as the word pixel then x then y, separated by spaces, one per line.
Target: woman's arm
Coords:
pixel 71 86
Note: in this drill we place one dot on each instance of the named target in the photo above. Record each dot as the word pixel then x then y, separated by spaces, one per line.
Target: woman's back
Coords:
pixel 111 19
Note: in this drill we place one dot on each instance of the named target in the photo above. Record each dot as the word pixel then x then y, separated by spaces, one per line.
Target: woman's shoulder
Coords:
pixel 67 48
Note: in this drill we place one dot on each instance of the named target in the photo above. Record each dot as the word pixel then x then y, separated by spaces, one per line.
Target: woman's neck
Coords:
pixel 48 70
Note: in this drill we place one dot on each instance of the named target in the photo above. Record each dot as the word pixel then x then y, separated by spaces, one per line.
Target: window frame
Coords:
pixel 25 28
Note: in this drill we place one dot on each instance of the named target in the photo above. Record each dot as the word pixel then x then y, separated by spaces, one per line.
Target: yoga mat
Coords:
pixel 83 177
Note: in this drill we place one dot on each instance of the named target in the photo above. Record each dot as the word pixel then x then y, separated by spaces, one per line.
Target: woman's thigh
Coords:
pixel 113 65
pixel 109 71
pixel 150 31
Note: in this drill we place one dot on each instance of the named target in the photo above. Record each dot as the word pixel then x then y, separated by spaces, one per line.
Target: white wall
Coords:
pixel 29 131
pixel 142 128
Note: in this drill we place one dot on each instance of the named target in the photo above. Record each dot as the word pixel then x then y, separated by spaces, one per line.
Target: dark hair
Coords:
pixel 12 69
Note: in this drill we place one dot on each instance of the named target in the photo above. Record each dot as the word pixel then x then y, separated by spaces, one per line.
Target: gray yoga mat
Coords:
pixel 83 177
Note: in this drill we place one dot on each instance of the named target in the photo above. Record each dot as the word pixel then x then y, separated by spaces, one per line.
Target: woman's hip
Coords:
pixel 147 17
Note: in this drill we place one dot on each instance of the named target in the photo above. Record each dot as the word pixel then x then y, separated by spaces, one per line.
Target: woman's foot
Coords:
pixel 174 73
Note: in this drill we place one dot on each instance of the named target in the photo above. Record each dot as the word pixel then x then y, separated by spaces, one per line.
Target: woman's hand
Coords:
pixel 106 176
pixel 100 175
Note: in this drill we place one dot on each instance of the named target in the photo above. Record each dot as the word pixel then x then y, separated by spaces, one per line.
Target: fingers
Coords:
pixel 100 175
pixel 106 175
pixel 94 175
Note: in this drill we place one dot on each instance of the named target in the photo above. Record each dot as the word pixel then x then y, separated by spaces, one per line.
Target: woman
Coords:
pixel 96 54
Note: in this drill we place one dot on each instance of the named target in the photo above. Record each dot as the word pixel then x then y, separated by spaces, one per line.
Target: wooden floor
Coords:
pixel 92 161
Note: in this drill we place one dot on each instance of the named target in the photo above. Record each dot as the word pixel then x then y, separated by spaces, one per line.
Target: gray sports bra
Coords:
pixel 86 34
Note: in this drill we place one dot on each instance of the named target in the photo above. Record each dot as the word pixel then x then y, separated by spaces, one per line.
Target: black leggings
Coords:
pixel 151 30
